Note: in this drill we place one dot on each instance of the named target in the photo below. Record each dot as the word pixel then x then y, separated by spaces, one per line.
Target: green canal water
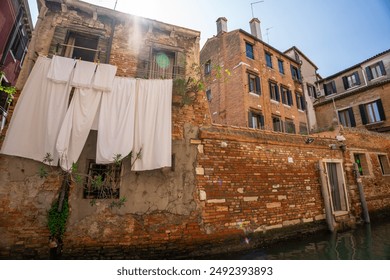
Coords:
pixel 366 242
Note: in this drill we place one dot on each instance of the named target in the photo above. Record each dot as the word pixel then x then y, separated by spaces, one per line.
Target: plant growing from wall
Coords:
pixel 9 90
pixel 188 88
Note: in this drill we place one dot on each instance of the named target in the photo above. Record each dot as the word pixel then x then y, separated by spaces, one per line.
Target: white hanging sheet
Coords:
pixel 39 112
pixel 116 122
pixel 104 77
pixel 153 124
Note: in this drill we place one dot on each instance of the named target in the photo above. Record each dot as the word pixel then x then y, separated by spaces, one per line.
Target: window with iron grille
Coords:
pixel 103 181
pixel 81 46
pixel 290 126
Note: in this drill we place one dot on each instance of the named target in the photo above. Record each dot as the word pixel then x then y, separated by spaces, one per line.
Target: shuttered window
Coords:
pixel 330 88
pixel 372 112
pixel 255 120
pixel 351 80
pixel 347 118
pixel 375 71
pixel 254 84
pixel 274 91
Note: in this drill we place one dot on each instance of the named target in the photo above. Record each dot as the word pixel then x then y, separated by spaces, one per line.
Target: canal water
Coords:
pixel 366 242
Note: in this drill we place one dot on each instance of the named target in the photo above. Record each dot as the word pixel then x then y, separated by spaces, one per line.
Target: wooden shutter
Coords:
pixel 357 78
pixel 382 67
pixel 334 90
pixel 249 83
pixel 261 121
pixel 283 95
pixel 380 110
pixel 345 82
pixel 369 73
pixel 363 114
pixel 250 120
pixel 351 117
pixel 258 88
pixel 326 89
pixel 277 93
pixel 290 99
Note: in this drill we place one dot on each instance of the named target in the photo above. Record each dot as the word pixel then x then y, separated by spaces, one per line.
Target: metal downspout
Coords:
pixel 366 216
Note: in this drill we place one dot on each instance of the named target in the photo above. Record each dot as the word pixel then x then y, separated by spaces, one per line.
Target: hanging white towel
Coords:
pixel 153 124
pixel 83 74
pixel 38 115
pixel 77 125
pixel 104 77
pixel 116 123
pixel 61 69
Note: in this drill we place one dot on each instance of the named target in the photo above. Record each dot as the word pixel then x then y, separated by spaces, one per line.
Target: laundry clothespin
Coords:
pixel 97 64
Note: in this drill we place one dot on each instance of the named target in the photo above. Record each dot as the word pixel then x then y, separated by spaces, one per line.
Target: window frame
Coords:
pixel 289 126
pixel 303 128
pixel 312 92
pixel 369 70
pixel 277 120
pixel 372 114
pixel 268 59
pixel 301 102
pixel 385 168
pixel 330 88
pixel 249 53
pixel 274 91
pixel 351 81
pixel 286 96
pixel 346 117
pixel 281 66
pixel 207 68
pixel 95 169
pixel 296 73
pixel 254 83
pixel 362 161
pixel 256 120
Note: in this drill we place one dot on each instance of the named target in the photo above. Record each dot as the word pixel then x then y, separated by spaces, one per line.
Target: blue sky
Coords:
pixel 334 34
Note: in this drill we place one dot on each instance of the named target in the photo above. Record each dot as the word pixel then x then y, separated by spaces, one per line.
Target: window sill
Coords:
pixel 275 101
pixel 374 123
pixel 287 106
pixel 254 94
pixel 301 111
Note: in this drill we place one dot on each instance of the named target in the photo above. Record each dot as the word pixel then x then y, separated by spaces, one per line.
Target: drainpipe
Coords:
pixel 366 216
pixel 325 194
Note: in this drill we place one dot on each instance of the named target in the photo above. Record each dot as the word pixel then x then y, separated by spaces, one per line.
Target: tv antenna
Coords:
pixel 116 2
pixel 267 33
pixel 254 3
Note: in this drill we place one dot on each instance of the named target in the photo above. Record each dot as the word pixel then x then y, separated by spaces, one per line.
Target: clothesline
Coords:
pixel 131 114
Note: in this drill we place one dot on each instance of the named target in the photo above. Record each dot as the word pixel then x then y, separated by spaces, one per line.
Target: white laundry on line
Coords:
pixel 116 122
pixel 38 115
pixel 153 132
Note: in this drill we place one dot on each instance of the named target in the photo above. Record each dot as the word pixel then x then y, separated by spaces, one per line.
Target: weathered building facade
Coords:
pixel 15 33
pixel 264 88
pixel 357 96
pixel 309 79
pixel 225 183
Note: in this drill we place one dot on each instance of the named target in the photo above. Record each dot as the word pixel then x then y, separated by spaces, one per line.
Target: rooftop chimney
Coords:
pixel 221 25
pixel 255 28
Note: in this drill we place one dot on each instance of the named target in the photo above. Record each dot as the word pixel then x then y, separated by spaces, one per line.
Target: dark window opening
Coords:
pixel 274 91
pixel 249 50
pixel 268 59
pixel 384 163
pixel 296 74
pixel 208 95
pixel 207 68
pixel 82 46
pixel 102 181
pixel 277 124
pixel 281 66
pixel 347 117
pixel 289 126
pixel 303 129
pixel 286 96
pixel 330 88
pixel 372 112
pixel 254 83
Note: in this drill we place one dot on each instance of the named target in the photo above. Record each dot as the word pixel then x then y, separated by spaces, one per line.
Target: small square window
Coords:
pixel 384 163
pixel 102 181
pixel 249 50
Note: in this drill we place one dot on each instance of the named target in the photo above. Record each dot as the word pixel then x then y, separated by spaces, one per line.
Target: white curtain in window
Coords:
pixel 153 124
pixel 39 112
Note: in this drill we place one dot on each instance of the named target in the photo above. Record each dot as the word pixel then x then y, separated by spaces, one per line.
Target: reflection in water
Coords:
pixel 367 242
